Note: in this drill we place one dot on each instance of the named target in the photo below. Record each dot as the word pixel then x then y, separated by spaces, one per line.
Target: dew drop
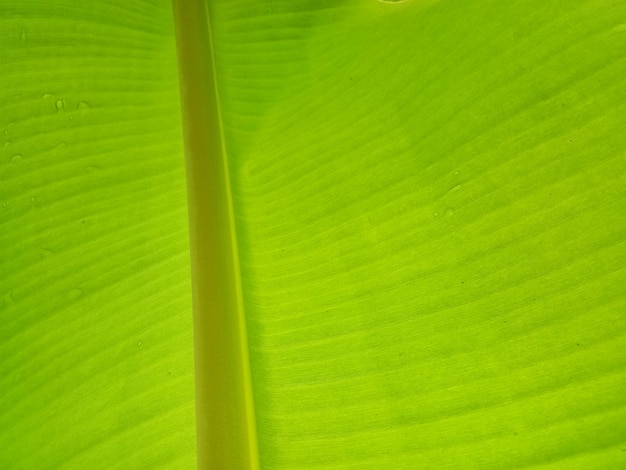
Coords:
pixel 456 173
pixel 75 293
pixel 60 105
pixel 139 343
pixel 454 189
pixel 450 212
pixel 33 199
pixel 60 148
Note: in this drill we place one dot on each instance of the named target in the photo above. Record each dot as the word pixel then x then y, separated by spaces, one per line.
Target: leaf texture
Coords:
pixel 419 229
pixel 430 213
pixel 96 349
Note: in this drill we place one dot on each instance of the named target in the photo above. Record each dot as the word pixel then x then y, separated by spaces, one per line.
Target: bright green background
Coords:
pixel 96 349
pixel 430 204
pixel 430 209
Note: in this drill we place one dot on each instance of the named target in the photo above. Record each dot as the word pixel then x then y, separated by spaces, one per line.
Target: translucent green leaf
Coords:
pixel 407 234
pixel 96 349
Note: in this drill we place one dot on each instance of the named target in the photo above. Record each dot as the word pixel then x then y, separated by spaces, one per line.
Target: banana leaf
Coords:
pixel 399 225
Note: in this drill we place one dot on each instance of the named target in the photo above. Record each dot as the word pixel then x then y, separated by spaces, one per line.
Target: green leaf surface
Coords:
pixel 407 233
pixel 430 209
pixel 96 351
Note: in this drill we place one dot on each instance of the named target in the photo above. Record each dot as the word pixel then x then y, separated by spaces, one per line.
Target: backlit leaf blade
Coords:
pixel 96 350
pixel 430 211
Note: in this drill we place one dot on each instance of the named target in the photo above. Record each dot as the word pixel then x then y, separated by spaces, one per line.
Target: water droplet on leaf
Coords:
pixel 60 148
pixel 454 189
pixel 46 252
pixel 75 293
